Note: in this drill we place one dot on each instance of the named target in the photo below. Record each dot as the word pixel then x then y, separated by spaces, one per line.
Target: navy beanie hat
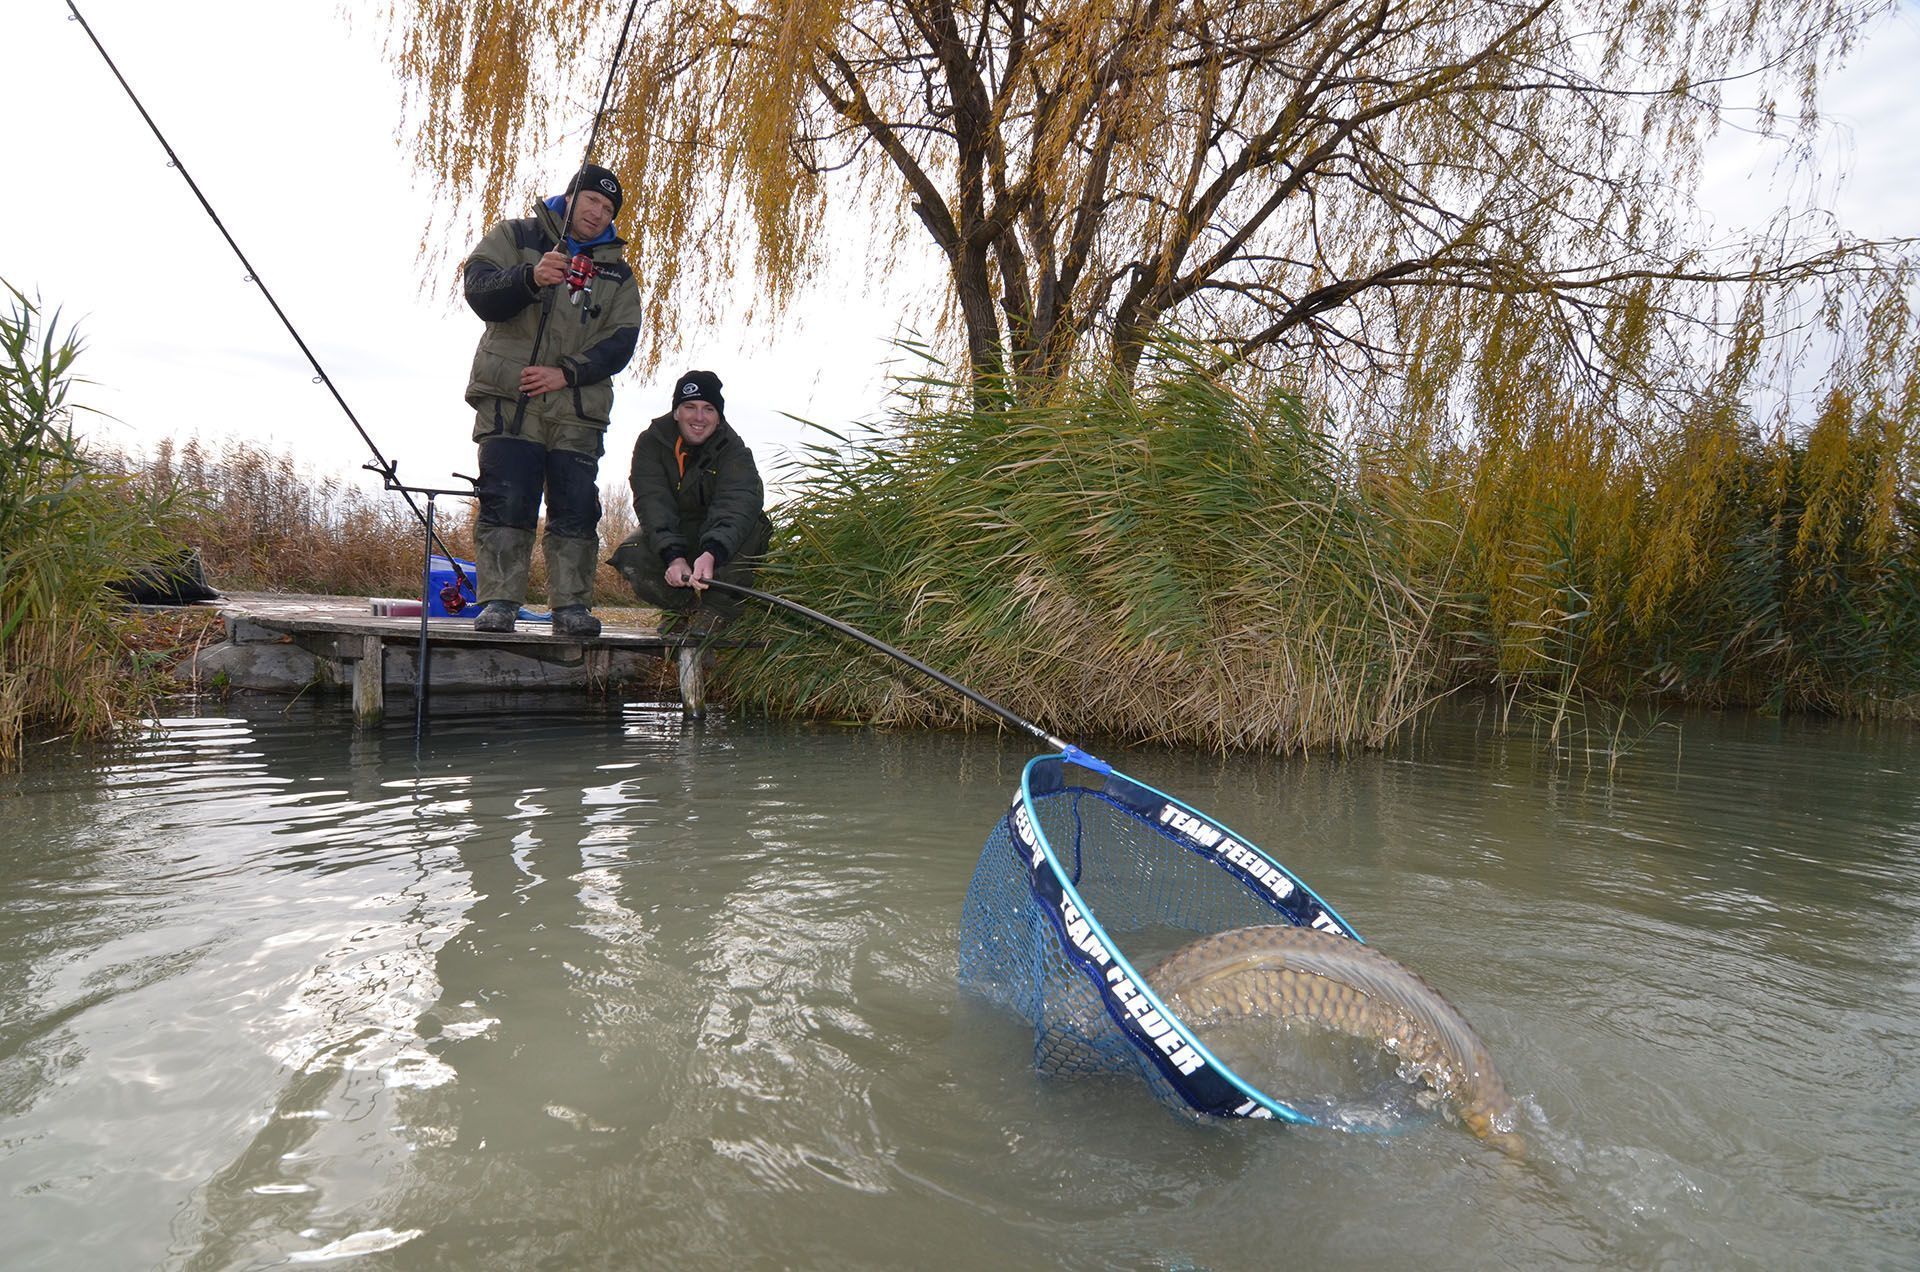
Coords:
pixel 599 180
pixel 700 386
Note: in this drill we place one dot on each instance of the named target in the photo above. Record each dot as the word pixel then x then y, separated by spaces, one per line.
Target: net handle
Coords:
pixel 1067 749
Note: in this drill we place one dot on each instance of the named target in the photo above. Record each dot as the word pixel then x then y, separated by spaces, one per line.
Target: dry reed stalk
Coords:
pixel 277 528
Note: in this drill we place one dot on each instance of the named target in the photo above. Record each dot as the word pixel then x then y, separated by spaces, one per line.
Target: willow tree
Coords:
pixel 1333 186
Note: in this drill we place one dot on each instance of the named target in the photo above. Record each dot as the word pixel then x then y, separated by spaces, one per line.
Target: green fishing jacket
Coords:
pixel 714 503
pixel 590 342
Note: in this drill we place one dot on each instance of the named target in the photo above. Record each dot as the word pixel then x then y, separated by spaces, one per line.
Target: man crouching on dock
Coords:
pixel 700 502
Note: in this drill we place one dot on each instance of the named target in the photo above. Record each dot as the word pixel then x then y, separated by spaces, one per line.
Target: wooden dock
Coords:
pixel 287 643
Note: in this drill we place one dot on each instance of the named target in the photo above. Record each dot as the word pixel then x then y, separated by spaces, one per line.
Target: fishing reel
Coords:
pixel 452 599
pixel 580 275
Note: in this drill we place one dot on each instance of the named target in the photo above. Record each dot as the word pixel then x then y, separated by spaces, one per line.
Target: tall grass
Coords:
pixel 69 530
pixel 276 527
pixel 1196 564
pixel 1184 564
pixel 1709 557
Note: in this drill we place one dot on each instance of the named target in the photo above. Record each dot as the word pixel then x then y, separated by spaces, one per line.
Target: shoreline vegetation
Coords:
pixel 1192 561
pixel 70 528
pixel 1199 564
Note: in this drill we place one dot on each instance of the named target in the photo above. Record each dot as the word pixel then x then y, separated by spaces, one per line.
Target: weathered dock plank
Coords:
pixel 292 643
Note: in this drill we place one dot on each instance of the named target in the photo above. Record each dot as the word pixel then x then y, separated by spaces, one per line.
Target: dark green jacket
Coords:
pixel 716 505
pixel 590 342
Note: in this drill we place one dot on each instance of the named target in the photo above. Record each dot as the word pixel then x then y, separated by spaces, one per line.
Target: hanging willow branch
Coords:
pixel 1308 183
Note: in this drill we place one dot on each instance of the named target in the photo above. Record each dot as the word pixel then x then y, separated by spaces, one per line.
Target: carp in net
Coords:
pixel 1135 933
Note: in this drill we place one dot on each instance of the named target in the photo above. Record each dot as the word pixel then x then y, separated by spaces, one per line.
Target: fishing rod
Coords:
pixel 1067 749
pixel 580 267
pixel 382 465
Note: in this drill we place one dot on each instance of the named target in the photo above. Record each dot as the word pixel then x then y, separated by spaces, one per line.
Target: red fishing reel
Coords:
pixel 452 599
pixel 580 275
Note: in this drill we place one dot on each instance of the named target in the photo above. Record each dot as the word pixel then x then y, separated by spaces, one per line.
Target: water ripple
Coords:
pixel 553 987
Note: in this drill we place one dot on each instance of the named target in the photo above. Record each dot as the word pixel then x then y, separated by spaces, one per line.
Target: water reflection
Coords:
pixel 598 989
pixel 667 960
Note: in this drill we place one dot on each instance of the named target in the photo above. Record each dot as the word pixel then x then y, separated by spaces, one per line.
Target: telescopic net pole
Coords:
pixel 1072 752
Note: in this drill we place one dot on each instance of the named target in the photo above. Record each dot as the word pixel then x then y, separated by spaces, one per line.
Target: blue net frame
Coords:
pixel 1160 874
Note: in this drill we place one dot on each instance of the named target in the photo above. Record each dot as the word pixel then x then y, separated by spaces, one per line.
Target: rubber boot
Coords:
pixel 571 563
pixel 496 616
pixel 501 555
pixel 574 621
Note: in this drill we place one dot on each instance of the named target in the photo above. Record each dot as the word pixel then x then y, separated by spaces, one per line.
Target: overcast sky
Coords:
pixel 286 119
pixel 286 115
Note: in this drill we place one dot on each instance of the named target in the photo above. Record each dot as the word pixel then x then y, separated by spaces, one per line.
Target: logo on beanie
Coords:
pixel 689 389
pixel 608 184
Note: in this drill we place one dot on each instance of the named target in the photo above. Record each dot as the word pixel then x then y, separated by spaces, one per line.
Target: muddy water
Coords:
pixel 602 990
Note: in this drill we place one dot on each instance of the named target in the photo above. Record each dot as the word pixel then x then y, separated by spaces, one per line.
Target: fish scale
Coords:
pixel 1280 972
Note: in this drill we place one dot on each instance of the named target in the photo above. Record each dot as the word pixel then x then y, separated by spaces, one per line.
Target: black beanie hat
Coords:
pixel 599 180
pixel 700 386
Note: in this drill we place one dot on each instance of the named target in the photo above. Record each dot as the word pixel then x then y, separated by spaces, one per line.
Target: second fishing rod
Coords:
pixel 381 465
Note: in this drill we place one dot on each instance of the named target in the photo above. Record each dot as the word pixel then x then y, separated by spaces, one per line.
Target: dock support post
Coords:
pixel 693 689
pixel 369 681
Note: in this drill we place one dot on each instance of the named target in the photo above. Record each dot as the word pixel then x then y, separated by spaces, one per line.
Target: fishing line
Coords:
pixel 383 465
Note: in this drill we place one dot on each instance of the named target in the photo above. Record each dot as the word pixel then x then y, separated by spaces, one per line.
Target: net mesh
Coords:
pixel 1080 888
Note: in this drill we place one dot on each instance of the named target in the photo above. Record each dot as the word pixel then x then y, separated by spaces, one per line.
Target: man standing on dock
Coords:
pixel 541 425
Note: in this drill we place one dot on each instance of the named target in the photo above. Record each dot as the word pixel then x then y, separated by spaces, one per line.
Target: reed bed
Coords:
pixel 1193 562
pixel 1187 564
pixel 273 526
pixel 70 530
pixel 1709 561
pixel 1199 565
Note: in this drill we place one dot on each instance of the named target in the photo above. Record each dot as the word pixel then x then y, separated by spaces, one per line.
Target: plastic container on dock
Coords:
pixel 445 598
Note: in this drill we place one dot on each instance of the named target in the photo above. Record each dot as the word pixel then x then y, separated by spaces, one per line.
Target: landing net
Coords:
pixel 1158 874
